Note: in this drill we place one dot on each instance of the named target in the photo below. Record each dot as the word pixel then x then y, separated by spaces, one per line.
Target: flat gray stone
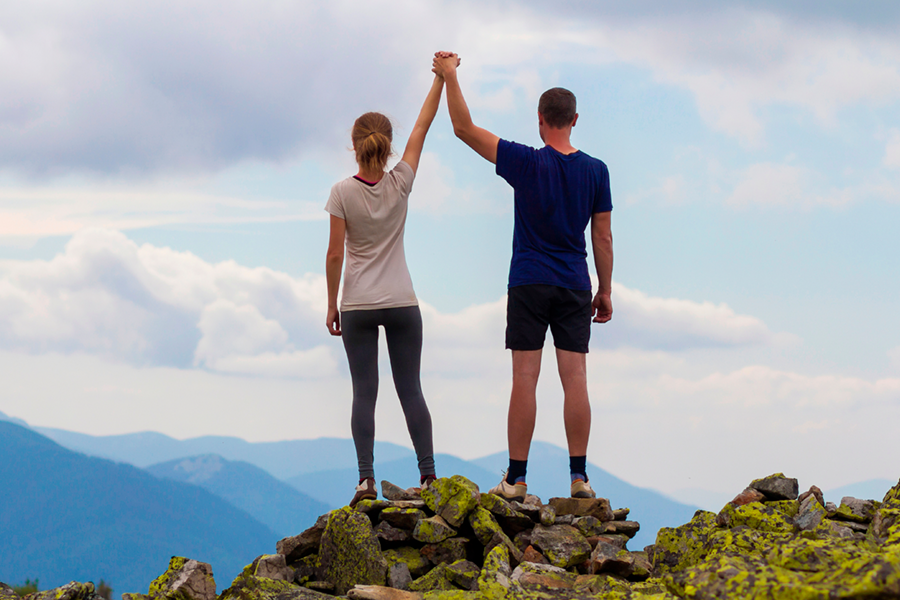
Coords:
pixel 777 487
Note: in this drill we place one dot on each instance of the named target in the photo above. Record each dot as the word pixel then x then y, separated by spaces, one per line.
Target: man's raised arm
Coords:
pixel 480 140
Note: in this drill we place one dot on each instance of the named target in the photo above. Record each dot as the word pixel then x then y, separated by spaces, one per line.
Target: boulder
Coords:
pixel 448 551
pixel 395 492
pixel 678 548
pixel 547 516
pixel 815 492
pixel 562 545
pixel 621 514
pixel 854 509
pixel 7 593
pixel 464 574
pixel 501 539
pixel 533 556
pixel 582 507
pixel 402 518
pixel 452 498
pixel 484 524
pixel 607 558
pixel 747 496
pixel 755 515
pixel 248 586
pixel 534 575
pixel 350 553
pixel 435 579
pixel 296 547
pixel 388 533
pixel 497 506
pixel 495 577
pixel 185 579
pixel 811 514
pixel 776 487
pixel 70 591
pixel 432 530
pixel 377 592
pixel 627 528
pixel 417 564
pixel 272 566
pixel 399 576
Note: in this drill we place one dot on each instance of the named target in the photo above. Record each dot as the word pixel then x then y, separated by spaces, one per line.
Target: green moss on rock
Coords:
pixel 350 553
pixel 452 498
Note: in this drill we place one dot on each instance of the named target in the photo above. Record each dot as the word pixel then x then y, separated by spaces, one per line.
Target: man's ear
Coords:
pixel 575 120
pixel 540 120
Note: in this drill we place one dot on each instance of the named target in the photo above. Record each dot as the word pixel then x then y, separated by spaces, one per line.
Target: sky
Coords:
pixel 164 168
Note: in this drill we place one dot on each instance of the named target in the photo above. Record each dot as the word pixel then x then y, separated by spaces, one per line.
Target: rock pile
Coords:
pixel 453 542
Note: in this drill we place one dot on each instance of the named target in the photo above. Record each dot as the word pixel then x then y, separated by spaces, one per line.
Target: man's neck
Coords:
pixel 558 139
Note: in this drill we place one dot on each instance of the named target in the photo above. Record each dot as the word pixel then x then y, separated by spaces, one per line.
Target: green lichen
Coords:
pixel 681 547
pixel 484 524
pixel 417 564
pixel 758 516
pixel 452 498
pixel 494 580
pixel 787 507
pixel 350 553
pixel 432 531
pixel 435 579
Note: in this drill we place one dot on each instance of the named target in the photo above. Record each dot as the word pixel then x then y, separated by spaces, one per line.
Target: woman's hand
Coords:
pixel 333 321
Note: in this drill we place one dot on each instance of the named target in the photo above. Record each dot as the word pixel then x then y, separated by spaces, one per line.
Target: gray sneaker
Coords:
pixel 582 489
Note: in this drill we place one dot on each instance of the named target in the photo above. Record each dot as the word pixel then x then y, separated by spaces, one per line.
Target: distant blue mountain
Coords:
pixel 66 516
pixel 548 476
pixel 281 459
pixel 271 501
pixel 335 487
pixel 5 417
pixel 873 489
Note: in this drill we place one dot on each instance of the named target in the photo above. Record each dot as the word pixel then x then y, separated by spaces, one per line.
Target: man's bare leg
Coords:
pixel 577 407
pixel 523 402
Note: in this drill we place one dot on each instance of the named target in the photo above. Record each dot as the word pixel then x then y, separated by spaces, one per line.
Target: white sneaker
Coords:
pixel 512 492
pixel 582 489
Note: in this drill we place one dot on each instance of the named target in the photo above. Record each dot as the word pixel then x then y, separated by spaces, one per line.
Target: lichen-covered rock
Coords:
pixel 417 564
pixel 71 591
pixel 248 586
pixel 854 509
pixel 350 553
pixel 777 487
pixel 452 498
pixel 681 547
pixel 627 528
pixel 464 574
pixel 787 507
pixel 501 539
pixel 530 554
pixel 756 515
pixel 532 575
pixel 811 514
pixel 530 509
pixel 296 547
pixel 815 492
pixel 7 593
pixel 435 579
pixel 184 579
pixel 272 566
pixel 484 524
pixel 547 515
pixel 371 507
pixel 562 545
pixel 495 578
pixel 448 551
pixel 735 576
pixel 621 514
pixel 497 506
pixel 432 530
pixel 606 558
pixel 377 592
pixel 589 526
pixel 402 518
pixel 582 507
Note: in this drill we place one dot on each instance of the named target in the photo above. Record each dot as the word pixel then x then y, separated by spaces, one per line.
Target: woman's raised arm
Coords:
pixel 416 141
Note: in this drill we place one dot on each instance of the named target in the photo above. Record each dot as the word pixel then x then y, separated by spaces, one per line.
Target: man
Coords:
pixel 558 190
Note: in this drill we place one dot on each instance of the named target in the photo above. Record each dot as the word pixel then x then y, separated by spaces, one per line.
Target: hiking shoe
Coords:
pixel 427 481
pixel 582 489
pixel 364 491
pixel 512 492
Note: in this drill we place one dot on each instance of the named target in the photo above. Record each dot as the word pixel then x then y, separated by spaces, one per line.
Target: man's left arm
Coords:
pixel 601 241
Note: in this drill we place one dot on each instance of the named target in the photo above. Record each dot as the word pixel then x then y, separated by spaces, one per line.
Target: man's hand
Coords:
pixel 444 62
pixel 333 321
pixel 602 308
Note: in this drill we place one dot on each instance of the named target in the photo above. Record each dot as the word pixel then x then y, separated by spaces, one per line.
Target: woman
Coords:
pixel 368 216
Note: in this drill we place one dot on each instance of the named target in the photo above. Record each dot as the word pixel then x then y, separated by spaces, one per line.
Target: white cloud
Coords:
pixel 786 185
pixel 892 150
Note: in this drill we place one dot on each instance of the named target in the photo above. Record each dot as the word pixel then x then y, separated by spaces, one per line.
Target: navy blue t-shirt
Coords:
pixel 555 196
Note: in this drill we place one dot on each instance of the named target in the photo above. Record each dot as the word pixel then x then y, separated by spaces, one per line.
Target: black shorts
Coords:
pixel 530 308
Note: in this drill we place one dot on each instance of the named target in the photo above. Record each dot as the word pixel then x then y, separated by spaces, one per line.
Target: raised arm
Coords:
pixel 334 262
pixel 601 240
pixel 480 140
pixel 416 141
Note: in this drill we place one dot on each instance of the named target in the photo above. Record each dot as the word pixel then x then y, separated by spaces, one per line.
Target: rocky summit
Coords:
pixel 453 542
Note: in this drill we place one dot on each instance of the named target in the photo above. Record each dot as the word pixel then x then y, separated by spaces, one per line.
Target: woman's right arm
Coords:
pixel 334 262
pixel 417 138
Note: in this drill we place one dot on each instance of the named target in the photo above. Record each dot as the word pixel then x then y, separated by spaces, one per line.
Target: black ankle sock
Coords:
pixel 578 466
pixel 516 472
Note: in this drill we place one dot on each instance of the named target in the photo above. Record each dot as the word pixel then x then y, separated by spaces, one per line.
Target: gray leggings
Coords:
pixel 403 330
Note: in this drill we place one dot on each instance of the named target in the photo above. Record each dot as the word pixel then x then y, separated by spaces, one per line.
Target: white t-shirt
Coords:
pixel 375 272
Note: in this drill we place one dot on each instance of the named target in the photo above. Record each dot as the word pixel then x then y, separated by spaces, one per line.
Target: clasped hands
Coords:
pixel 444 62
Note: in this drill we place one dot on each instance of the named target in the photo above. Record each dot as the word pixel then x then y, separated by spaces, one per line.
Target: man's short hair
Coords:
pixel 557 106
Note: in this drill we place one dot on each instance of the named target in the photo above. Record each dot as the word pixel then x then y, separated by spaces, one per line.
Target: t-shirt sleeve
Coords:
pixel 405 176
pixel 603 197
pixel 514 161
pixel 335 205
